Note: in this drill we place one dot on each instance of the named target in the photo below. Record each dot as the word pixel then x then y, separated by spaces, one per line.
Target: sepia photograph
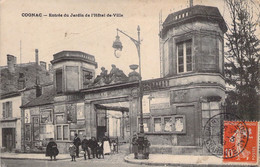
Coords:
pixel 125 83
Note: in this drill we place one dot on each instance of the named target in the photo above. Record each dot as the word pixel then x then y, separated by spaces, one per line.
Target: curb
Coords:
pixel 126 159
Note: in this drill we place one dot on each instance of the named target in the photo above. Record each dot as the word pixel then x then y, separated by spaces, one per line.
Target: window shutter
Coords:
pixel 4 108
pixel 59 81
pixel 10 109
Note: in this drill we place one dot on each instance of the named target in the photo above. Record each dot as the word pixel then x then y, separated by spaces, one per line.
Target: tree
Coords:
pixel 242 61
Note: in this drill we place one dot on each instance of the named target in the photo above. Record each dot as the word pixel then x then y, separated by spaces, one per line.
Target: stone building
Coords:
pixel 176 106
pixel 193 65
pixel 20 83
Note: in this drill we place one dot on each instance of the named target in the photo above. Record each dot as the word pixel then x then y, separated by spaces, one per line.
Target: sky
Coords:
pixel 20 36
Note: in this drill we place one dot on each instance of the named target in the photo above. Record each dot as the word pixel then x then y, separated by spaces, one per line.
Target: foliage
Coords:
pixel 242 61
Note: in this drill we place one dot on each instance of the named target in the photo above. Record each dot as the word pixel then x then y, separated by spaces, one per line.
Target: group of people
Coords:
pixel 138 144
pixel 96 148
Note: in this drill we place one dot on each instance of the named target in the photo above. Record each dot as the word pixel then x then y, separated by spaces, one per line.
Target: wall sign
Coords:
pixel 27 116
pixel 8 124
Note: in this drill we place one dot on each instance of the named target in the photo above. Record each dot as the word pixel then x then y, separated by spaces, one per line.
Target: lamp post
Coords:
pixel 117 45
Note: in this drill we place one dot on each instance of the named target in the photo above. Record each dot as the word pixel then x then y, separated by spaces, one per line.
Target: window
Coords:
pixel 220 55
pixel 7 109
pixel 62 132
pixel 78 131
pixel 59 81
pixel 209 110
pixel 59 132
pixel 65 132
pixel 36 128
pixel 184 53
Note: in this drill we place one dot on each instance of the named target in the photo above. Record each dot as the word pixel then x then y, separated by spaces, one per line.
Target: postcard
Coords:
pixel 129 83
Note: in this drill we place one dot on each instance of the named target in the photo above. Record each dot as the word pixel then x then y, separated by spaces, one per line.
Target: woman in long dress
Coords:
pixel 106 145
pixel 52 149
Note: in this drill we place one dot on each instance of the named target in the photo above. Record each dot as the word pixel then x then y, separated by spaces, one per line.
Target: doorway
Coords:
pixel 8 138
pixel 111 119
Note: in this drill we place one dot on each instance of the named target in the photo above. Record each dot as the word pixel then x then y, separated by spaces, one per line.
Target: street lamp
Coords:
pixel 117 45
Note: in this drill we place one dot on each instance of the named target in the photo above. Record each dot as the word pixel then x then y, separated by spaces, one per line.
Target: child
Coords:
pixel 113 146
pixel 100 150
pixel 72 150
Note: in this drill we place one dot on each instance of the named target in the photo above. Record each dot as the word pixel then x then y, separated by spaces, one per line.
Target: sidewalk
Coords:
pixel 6 155
pixel 181 160
pixel 155 159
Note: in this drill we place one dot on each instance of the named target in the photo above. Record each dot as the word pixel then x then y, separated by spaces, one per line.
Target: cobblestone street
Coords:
pixel 114 160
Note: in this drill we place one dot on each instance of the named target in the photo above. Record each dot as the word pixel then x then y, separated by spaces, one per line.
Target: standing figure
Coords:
pixel 72 150
pixel 106 144
pixel 85 144
pixel 135 146
pixel 100 149
pixel 93 146
pixel 113 146
pixel 146 148
pixel 52 149
pixel 77 143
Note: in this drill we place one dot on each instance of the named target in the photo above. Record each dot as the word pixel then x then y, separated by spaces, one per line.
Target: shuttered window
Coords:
pixel 7 110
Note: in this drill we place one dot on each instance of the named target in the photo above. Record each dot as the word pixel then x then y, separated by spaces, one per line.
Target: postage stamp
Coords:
pixel 240 145
pixel 217 127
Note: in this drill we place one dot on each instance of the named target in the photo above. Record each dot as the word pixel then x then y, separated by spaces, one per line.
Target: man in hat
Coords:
pixel 85 144
pixel 93 146
pixel 146 147
pixel 77 143
pixel 135 145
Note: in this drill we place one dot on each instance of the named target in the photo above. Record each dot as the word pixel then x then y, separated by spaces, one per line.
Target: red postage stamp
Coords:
pixel 240 142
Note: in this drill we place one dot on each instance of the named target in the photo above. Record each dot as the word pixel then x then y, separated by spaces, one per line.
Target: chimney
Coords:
pixel 36 57
pixel 11 62
pixel 191 3
pixel 38 90
pixel 43 65
pixel 50 67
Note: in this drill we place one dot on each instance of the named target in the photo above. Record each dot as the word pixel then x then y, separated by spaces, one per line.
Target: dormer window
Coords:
pixel 184 54
pixel 21 81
